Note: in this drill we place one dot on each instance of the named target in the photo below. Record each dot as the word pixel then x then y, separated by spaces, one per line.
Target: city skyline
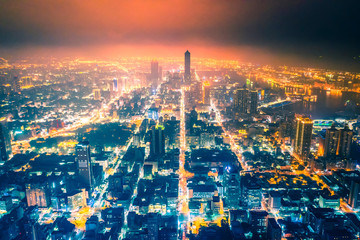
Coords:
pixel 179 120
pixel 178 148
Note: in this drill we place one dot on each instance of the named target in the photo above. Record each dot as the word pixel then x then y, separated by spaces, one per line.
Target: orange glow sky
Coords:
pixel 250 30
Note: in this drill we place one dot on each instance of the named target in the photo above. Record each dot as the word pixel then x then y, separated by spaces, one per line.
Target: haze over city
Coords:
pixel 169 120
pixel 319 32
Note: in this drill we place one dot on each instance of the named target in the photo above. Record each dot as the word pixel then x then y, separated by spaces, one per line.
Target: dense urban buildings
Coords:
pixel 111 129
pixel 117 149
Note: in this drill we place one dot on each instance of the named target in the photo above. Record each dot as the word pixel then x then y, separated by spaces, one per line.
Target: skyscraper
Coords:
pixel 331 142
pixel 303 136
pixel 97 94
pixel 345 140
pixel 115 86
pixel 338 142
pixel 354 195
pixel 254 97
pixel 84 163
pixel 232 186
pixel 5 142
pixel 273 229
pixel 154 75
pixel 187 74
pixel 15 80
pixel 241 101
pixel 157 141
pixel 26 81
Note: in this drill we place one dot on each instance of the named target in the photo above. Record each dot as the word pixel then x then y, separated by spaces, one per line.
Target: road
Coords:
pixel 183 201
pixel 80 216
pixel 130 208
pixel 315 176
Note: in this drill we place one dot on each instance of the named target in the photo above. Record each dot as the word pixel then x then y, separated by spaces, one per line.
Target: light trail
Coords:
pixel 276 102
pixel 183 201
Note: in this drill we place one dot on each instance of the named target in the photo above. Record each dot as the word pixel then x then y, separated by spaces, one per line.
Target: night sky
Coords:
pixel 305 31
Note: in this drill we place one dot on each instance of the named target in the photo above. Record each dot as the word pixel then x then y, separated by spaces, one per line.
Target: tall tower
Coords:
pixel 157 141
pixel 154 75
pixel 5 142
pixel 187 74
pixel 84 163
pixel 303 136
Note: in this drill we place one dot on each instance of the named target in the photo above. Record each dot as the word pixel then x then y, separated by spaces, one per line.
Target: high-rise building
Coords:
pixel 232 186
pixel 273 230
pixel 354 196
pixel 152 224
pixel 116 184
pixel 157 141
pixel 154 75
pixel 254 97
pixel 97 94
pixel 331 142
pixel 38 195
pixel 15 80
pixel 83 160
pixel 187 74
pixel 206 93
pixel 115 86
pixel 207 140
pixel 193 119
pixel 245 101
pixel 137 140
pixel 345 141
pixel 251 193
pixel 258 220
pixel 338 142
pixel 241 101
pixel 5 142
pixel 26 81
pixel 274 199
pixel 303 136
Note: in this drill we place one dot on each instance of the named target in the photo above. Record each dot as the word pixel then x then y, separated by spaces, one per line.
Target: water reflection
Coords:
pixel 328 104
